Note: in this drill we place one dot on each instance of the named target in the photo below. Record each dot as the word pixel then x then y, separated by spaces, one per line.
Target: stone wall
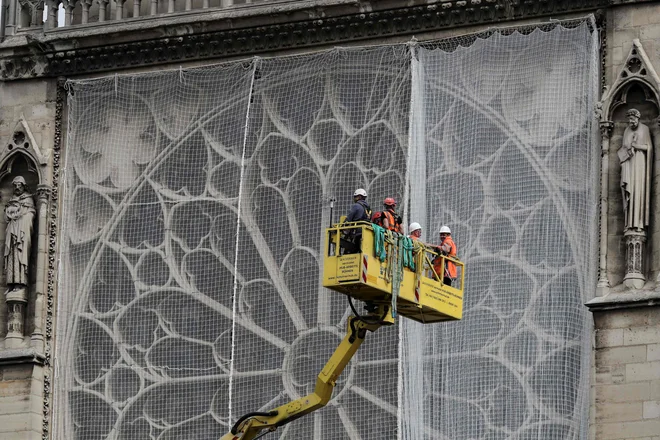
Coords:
pixel 627 374
pixel 23 375
pixel 21 401
pixel 626 379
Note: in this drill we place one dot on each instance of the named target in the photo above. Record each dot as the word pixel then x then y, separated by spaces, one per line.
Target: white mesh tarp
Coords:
pixel 191 260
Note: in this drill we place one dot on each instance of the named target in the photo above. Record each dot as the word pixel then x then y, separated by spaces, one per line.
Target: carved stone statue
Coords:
pixel 19 214
pixel 635 158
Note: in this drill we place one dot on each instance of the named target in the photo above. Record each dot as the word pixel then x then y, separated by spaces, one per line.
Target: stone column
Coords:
pixel 103 9
pixel 605 132
pixel 53 7
pixel 43 199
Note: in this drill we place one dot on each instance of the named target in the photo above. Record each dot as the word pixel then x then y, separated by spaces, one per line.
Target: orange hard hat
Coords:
pixel 389 201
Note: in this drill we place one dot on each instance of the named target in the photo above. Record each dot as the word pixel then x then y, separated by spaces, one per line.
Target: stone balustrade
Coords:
pixel 50 14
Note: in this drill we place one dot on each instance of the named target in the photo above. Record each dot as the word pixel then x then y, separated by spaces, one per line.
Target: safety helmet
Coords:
pixel 389 202
pixel 360 192
pixel 445 230
pixel 414 226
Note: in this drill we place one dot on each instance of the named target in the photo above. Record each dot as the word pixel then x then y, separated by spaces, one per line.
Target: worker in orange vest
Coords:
pixel 446 247
pixel 392 220
pixel 415 231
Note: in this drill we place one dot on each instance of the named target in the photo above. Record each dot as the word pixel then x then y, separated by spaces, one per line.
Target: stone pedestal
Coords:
pixel 635 241
pixel 16 304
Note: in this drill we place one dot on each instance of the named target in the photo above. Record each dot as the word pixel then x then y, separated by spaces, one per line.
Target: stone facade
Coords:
pixel 626 383
pixel 626 364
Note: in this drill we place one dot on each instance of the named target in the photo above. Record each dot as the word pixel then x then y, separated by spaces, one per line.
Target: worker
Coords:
pixel 415 230
pixel 391 220
pixel 360 211
pixel 447 247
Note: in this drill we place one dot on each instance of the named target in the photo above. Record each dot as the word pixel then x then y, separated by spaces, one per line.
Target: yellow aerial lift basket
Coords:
pixel 351 266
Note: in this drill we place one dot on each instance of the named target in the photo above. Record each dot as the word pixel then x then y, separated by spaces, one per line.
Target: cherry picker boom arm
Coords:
pixel 251 425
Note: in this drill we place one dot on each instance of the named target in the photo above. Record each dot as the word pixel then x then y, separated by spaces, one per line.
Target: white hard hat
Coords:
pixel 445 230
pixel 414 226
pixel 360 192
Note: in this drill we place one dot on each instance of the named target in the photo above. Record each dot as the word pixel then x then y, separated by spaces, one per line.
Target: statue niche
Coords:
pixel 635 126
pixel 17 179
pixel 628 119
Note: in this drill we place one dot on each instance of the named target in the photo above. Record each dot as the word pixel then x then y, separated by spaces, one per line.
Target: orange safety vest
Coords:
pixel 394 226
pixel 450 267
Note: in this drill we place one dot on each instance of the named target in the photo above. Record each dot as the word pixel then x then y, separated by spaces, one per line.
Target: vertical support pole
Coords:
pixel 205 4
pixel 154 7
pixel 136 7
pixel 605 133
pixel 170 6
pixel 43 199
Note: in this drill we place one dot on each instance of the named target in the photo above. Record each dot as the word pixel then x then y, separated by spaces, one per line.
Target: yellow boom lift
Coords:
pixel 394 278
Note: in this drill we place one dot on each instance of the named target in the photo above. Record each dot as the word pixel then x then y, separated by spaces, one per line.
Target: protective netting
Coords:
pixel 511 165
pixel 191 251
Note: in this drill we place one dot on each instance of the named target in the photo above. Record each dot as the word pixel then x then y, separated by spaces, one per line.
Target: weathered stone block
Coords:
pixel 628 392
pixel 641 14
pixel 622 18
pixel 19 422
pixel 609 338
pixel 643 371
pixel 23 92
pixel 24 435
pixel 652 409
pixel 640 317
pixel 14 372
pixel 621 355
pixel 651 32
pixel 14 387
pixel 611 374
pixel 619 412
pixel 653 352
pixel 641 335
pixel 624 430
pixel 624 38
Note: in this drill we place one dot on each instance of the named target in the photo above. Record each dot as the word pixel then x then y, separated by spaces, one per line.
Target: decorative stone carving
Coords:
pixel 636 88
pixel 19 214
pixel 46 60
pixel 635 157
pixel 22 140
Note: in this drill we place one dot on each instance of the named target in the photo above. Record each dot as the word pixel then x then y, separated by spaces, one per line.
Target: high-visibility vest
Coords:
pixel 450 268
pixel 391 219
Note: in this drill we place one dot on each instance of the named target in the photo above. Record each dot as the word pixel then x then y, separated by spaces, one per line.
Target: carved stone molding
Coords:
pixel 40 58
pixel 606 129
pixel 53 193
pixel 634 259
